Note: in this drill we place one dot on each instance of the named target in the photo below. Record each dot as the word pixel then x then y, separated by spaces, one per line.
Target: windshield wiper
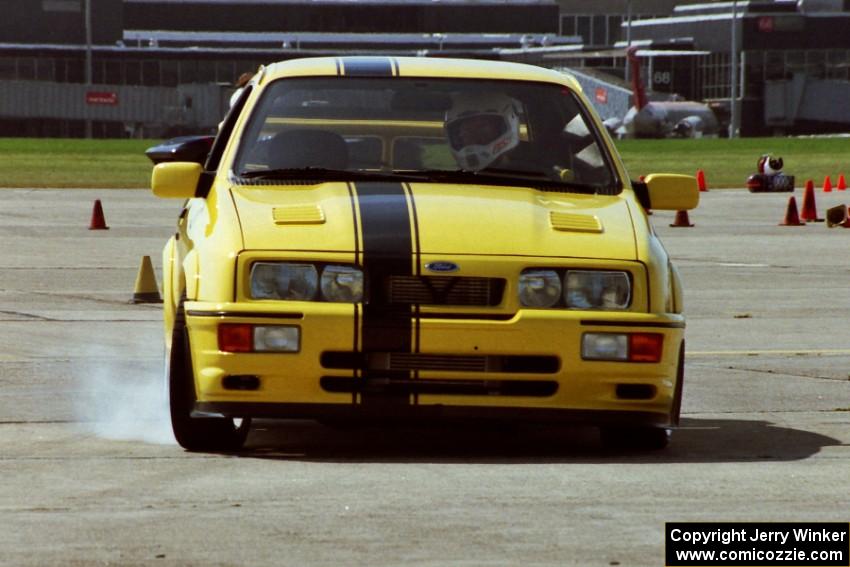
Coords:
pixel 489 176
pixel 324 173
pixel 499 177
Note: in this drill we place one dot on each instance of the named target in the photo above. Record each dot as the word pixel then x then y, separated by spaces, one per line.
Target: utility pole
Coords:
pixel 87 24
pixel 628 33
pixel 733 59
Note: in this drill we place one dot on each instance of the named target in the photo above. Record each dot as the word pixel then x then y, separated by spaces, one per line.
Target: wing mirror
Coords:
pixel 176 180
pixel 670 192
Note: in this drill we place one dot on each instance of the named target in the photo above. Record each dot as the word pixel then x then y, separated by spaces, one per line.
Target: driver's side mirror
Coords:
pixel 671 192
pixel 176 180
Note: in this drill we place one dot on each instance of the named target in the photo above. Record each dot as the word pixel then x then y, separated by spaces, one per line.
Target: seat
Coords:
pixel 407 155
pixel 307 148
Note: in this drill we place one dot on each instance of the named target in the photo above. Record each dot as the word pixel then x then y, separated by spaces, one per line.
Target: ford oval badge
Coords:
pixel 442 267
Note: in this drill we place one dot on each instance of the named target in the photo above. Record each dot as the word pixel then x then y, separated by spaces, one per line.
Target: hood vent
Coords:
pixel 574 223
pixel 298 214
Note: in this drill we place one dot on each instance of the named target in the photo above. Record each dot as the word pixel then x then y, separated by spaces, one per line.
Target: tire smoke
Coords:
pixel 123 400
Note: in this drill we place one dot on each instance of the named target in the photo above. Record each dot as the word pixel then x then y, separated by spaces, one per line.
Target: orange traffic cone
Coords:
pixel 98 222
pixel 842 184
pixel 792 218
pixel 701 180
pixel 827 184
pixel 682 219
pixel 810 210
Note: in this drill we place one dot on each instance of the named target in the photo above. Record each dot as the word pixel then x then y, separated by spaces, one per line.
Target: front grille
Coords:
pixel 445 290
pixel 409 362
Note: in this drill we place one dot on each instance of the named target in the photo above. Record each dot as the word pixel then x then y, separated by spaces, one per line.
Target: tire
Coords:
pixel 214 434
pixel 648 438
pixel 676 410
pixel 635 438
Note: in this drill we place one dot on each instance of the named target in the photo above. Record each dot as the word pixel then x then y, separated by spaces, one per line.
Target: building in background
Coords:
pixel 165 67
pixel 793 61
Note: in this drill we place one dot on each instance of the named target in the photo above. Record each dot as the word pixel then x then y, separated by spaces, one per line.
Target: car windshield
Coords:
pixel 446 130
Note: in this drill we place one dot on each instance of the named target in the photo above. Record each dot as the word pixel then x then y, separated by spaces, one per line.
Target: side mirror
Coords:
pixel 669 192
pixel 176 180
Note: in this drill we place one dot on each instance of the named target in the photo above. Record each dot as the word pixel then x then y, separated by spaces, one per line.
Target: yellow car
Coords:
pixel 393 239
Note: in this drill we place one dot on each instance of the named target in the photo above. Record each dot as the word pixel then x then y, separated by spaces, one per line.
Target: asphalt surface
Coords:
pixel 91 475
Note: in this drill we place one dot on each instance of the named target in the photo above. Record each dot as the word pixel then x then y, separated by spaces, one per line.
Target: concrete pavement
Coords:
pixel 91 475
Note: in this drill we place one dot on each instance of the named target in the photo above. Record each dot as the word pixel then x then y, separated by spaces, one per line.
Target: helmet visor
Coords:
pixel 475 130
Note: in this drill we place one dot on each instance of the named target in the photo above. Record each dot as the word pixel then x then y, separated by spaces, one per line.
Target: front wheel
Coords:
pixel 635 438
pixel 195 433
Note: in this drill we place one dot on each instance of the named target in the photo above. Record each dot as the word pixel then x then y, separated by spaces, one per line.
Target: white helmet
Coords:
pixel 481 127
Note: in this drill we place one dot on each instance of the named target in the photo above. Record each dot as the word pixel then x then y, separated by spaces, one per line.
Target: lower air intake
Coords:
pixel 406 361
pixel 393 386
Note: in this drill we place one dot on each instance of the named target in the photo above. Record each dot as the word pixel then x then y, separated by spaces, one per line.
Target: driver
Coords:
pixel 481 128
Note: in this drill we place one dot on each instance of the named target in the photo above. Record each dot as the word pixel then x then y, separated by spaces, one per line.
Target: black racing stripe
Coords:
pixel 338 67
pixel 387 251
pixel 417 249
pixel 417 269
pixel 367 67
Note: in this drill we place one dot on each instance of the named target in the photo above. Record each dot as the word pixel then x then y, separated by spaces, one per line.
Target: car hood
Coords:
pixel 436 218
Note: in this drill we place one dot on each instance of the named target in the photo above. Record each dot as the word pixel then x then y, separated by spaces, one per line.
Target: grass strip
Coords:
pixel 72 163
pixel 728 163
pixel 50 162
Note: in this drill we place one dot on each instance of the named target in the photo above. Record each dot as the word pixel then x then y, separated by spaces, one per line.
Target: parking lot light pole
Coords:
pixel 628 32
pixel 733 59
pixel 87 23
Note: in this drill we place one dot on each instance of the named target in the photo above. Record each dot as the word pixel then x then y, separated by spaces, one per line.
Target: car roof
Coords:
pixel 388 66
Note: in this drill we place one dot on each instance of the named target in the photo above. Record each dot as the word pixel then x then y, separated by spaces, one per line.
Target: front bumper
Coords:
pixel 305 385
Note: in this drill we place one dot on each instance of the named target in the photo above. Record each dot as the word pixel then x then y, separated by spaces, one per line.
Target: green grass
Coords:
pixel 28 162
pixel 50 162
pixel 728 163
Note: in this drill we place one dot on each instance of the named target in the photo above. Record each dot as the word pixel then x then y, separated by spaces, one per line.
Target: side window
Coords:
pixel 225 129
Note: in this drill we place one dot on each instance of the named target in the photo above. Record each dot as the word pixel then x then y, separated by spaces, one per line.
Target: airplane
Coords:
pixel 662 119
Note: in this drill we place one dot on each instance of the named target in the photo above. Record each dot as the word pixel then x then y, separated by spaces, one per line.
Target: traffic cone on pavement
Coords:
pixel 827 184
pixel 681 220
pixel 147 291
pixel 842 184
pixel 837 216
pixel 701 180
pixel 98 222
pixel 810 210
pixel 792 218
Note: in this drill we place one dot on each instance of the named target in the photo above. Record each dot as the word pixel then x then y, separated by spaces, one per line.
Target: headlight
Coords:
pixel 597 290
pixel 539 288
pixel 342 284
pixel 279 280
